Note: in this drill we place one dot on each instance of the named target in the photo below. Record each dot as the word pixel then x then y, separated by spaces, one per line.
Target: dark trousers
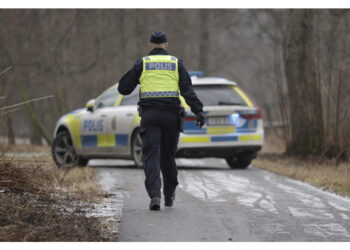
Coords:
pixel 160 136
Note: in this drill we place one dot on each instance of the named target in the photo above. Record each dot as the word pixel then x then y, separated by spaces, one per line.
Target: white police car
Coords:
pixel 109 127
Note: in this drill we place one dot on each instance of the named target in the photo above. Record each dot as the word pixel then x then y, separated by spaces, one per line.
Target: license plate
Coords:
pixel 218 120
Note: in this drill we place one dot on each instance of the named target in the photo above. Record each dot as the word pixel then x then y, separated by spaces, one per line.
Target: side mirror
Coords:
pixel 90 105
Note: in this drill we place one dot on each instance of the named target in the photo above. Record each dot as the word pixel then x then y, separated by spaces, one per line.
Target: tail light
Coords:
pixel 255 114
pixel 190 118
pixel 252 115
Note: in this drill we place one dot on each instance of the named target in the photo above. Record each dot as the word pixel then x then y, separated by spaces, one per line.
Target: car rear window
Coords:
pixel 214 95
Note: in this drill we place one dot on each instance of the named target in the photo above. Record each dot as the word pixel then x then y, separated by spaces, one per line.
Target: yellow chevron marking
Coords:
pixel 195 139
pixel 118 101
pixel 105 140
pixel 183 102
pixel 245 98
pixel 73 122
pixel 221 130
pixel 250 138
pixel 136 120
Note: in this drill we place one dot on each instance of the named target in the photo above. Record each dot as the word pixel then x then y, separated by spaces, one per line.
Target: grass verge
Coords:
pixel 39 202
pixel 25 148
pixel 325 175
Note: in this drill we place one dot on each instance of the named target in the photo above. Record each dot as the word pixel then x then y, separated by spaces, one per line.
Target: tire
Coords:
pixel 82 161
pixel 238 162
pixel 63 151
pixel 136 149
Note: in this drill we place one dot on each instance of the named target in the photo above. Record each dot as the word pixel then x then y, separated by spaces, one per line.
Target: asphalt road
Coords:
pixel 215 203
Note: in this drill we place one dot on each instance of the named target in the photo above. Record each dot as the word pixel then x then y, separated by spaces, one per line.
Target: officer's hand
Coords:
pixel 200 119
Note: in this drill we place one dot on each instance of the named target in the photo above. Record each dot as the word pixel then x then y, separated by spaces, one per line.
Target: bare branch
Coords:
pixel 5 70
pixel 9 111
pixel 25 102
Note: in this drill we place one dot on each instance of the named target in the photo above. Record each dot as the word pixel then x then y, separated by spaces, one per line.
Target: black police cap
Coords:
pixel 158 37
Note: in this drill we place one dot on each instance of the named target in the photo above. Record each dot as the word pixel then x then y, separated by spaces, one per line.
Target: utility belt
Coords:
pixel 180 114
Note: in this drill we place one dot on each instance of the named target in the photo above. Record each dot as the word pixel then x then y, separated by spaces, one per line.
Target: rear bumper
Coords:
pixel 218 152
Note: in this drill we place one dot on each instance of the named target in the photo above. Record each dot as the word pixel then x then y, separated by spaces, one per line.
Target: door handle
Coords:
pixel 129 114
pixel 102 115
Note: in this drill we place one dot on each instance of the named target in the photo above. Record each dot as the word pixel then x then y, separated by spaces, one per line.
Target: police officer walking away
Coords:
pixel 162 79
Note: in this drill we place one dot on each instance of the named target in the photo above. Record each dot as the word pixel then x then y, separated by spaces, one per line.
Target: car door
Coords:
pixel 96 138
pixel 122 121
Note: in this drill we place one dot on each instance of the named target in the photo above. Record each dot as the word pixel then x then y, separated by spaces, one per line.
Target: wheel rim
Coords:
pixel 65 153
pixel 137 150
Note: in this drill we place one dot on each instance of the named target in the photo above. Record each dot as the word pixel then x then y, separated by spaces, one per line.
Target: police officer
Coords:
pixel 162 79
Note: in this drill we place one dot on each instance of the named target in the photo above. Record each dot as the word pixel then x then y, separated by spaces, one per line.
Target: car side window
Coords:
pixel 108 98
pixel 131 99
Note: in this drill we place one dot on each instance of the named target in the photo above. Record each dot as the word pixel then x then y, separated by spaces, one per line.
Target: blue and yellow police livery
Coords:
pixel 109 127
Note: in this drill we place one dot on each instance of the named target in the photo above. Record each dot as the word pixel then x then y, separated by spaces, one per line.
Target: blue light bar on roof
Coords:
pixel 196 73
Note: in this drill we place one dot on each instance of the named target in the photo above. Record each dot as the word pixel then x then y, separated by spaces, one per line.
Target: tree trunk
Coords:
pixel 39 128
pixel 10 134
pixel 122 31
pixel 204 40
pixel 303 88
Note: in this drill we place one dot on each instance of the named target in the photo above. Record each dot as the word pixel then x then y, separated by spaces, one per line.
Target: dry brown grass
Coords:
pixel 43 203
pixel 25 148
pixel 79 182
pixel 273 145
pixel 324 174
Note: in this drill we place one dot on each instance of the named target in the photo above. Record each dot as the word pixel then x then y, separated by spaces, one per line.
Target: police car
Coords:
pixel 108 127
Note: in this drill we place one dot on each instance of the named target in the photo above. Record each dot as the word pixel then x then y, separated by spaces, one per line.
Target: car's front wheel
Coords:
pixel 82 161
pixel 63 151
pixel 136 149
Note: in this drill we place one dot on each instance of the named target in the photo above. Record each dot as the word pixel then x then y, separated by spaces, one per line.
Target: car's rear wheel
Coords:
pixel 136 149
pixel 63 151
pixel 238 162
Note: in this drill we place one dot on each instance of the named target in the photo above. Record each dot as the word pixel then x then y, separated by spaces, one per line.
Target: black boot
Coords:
pixel 155 203
pixel 169 200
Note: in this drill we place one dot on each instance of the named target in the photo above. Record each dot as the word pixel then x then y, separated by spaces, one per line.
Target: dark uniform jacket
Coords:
pixel 130 80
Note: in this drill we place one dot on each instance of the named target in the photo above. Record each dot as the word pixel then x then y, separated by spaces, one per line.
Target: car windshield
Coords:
pixel 214 95
pixel 131 99
pixel 108 98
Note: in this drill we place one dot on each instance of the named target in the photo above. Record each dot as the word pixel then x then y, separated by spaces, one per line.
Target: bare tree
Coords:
pixel 296 65
pixel 307 135
pixel 204 39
